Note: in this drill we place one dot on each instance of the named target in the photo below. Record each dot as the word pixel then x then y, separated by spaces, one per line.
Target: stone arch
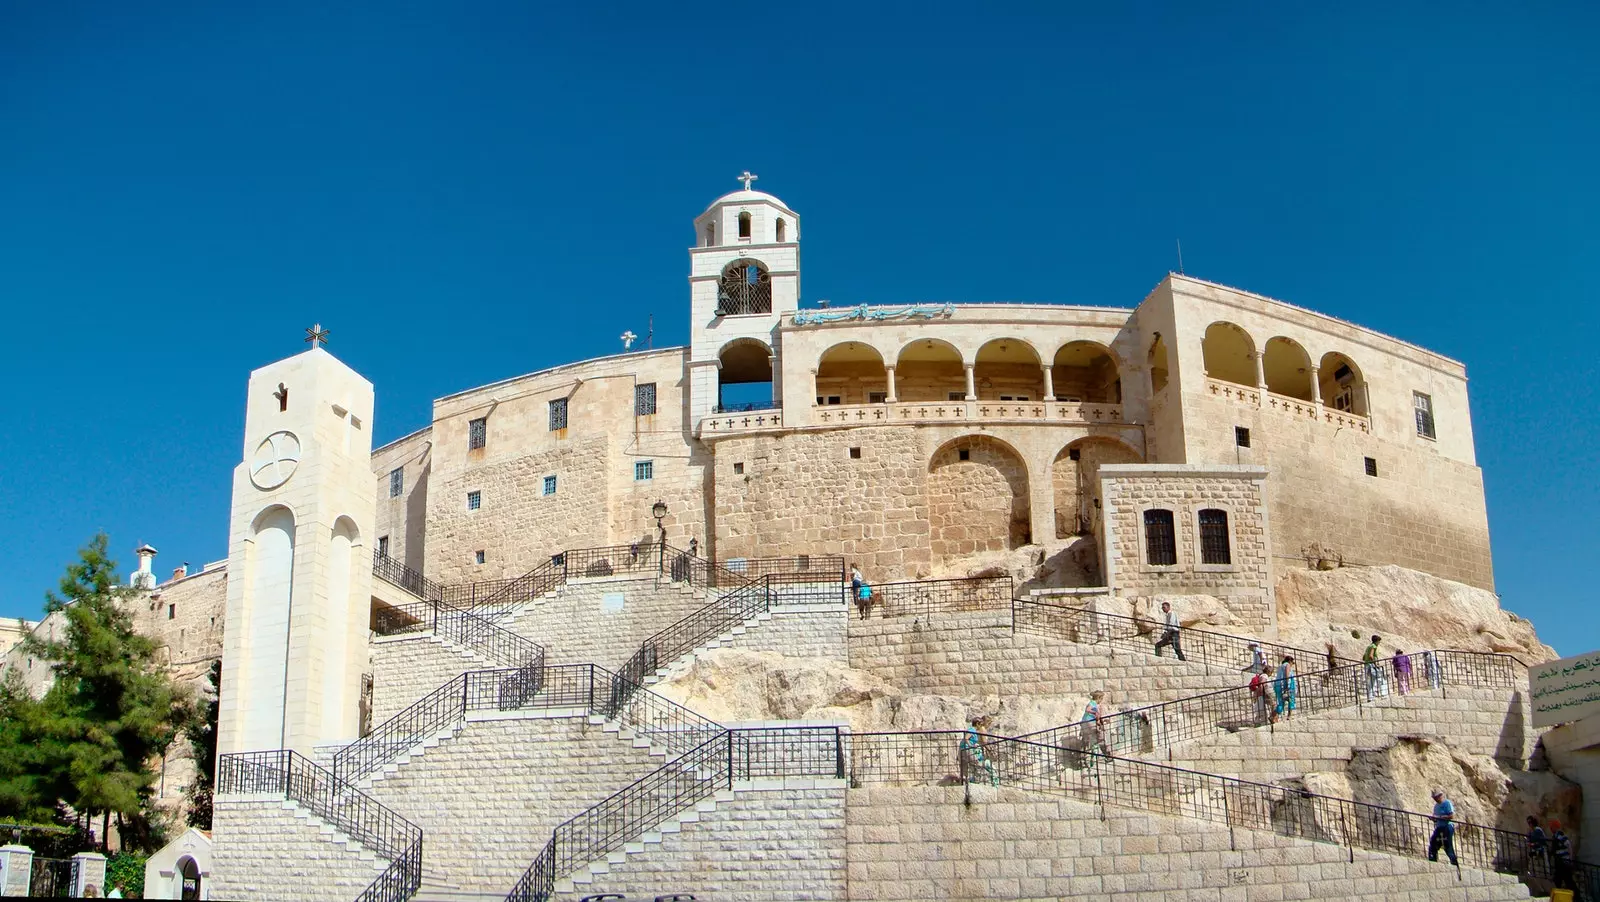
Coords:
pixel 344 549
pixel 1342 385
pixel 929 369
pixel 269 575
pixel 783 230
pixel 187 876
pixel 744 375
pixel 977 498
pixel 853 372
pixel 1086 371
pixel 1287 367
pixel 1160 369
pixel 1229 354
pixel 1008 369
pixel 745 288
pixel 1075 481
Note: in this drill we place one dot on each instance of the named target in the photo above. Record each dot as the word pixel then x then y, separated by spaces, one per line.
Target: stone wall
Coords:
pixel 262 851
pixel 977 499
pixel 916 843
pixel 799 633
pixel 406 668
pixel 576 627
pixel 488 799
pixel 761 845
pixel 1076 483
pixel 403 518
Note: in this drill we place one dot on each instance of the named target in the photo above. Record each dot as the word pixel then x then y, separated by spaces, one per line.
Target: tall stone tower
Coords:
pixel 299 562
pixel 744 277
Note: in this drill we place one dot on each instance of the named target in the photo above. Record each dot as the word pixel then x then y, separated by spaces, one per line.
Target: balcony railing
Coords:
pixel 964 411
pixel 721 423
pixel 1286 406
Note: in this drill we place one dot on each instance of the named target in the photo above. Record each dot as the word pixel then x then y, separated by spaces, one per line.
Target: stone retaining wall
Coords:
pixel 261 851
pixel 576 626
pixel 406 668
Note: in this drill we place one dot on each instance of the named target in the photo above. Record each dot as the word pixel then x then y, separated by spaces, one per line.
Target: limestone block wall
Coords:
pixel 488 799
pixel 978 499
pixel 403 517
pixel 776 845
pixel 406 668
pixel 576 625
pixel 977 654
pixel 261 851
pixel 914 843
pixel 799 633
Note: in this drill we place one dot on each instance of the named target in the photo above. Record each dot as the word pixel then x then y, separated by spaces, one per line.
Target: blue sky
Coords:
pixel 466 192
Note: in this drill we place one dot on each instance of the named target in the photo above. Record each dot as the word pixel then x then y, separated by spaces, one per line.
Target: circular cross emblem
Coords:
pixel 275 460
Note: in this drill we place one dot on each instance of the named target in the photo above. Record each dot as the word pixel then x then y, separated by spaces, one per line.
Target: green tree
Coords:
pixel 28 779
pixel 202 736
pixel 112 708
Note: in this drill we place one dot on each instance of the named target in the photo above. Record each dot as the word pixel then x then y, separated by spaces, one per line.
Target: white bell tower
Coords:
pixel 744 277
pixel 299 558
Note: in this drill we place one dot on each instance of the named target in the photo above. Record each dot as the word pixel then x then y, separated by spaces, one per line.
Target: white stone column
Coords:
pixel 88 869
pixel 1049 382
pixel 889 370
pixel 1316 387
pixel 16 870
pixel 814 391
pixel 972 392
pixel 1261 377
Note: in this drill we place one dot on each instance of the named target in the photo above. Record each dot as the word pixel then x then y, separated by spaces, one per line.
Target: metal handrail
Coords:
pixel 406 578
pixel 356 814
pixel 941 596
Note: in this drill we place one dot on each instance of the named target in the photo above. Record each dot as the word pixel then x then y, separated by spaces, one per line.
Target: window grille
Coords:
pixel 644 399
pixel 746 287
pixel 1160 541
pixel 558 414
pixel 549 485
pixel 477 434
pixel 877 397
pixel 397 481
pixel 644 469
pixel 1372 466
pixel 1424 408
pixel 1241 436
pixel 383 546
pixel 1214 537
pixel 474 500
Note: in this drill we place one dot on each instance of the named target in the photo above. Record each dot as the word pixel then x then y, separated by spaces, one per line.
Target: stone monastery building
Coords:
pixel 588 631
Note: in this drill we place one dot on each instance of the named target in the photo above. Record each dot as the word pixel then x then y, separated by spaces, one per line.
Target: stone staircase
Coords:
pixel 727 639
pixel 334 835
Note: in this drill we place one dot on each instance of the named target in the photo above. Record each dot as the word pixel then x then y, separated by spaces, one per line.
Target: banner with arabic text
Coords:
pixel 1566 690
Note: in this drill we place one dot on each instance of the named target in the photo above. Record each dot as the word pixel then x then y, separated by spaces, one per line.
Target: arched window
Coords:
pixel 745 288
pixel 711 235
pixel 782 230
pixel 744 225
pixel 1214 537
pixel 1160 540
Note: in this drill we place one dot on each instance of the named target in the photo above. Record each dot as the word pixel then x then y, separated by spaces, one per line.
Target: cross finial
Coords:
pixel 317 335
pixel 628 339
pixel 747 178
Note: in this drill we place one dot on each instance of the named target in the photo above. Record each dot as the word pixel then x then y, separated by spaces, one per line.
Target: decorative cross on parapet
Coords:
pixel 747 178
pixel 627 340
pixel 317 335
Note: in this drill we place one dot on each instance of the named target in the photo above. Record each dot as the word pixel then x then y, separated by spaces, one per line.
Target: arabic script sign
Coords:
pixel 1565 690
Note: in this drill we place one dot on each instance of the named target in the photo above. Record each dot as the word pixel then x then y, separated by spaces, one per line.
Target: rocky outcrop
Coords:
pixel 1409 609
pixel 1072 564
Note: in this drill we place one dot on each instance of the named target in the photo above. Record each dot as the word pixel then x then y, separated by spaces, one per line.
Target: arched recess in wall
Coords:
pixel 745 288
pixel 1160 369
pixel 1343 387
pixel 851 372
pixel 339 689
pixel 977 498
pixel 1008 369
pixel 783 230
pixel 1229 353
pixel 930 370
pixel 1086 371
pixel 268 607
pixel 744 379
pixel 1288 368
pixel 1075 482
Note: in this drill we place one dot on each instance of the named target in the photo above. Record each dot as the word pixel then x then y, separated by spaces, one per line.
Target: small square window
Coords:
pixel 738 469
pixel 957 396
pixel 644 399
pixel 474 500
pixel 1074 454
pixel 877 397
pixel 477 557
pixel 397 481
pixel 1241 436
pixel 549 485
pixel 477 433
pixel 172 611
pixel 964 454
pixel 558 414
pixel 1424 408
pixel 644 469
pixel 383 546
pixel 855 453
pixel 1372 466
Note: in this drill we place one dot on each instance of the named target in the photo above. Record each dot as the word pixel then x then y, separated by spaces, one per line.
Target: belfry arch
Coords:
pixel 745 288
pixel 744 376
pixel 977 498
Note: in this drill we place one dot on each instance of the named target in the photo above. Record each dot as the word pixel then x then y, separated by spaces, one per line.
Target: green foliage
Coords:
pixel 126 870
pixel 202 735
pixel 90 742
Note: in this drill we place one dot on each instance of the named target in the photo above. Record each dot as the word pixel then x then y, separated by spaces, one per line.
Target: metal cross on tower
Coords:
pixel 747 178
pixel 317 335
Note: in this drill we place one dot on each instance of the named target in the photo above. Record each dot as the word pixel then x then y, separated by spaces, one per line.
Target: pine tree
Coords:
pixel 113 708
pixel 202 736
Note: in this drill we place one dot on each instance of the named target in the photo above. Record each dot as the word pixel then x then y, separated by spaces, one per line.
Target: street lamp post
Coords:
pixel 660 511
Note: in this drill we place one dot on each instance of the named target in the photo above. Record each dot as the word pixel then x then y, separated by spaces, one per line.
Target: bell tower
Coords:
pixel 299 558
pixel 744 277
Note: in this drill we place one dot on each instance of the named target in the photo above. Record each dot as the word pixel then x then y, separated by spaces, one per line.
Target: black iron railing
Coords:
pixel 941 596
pixel 496 644
pixel 406 578
pixel 338 802
pixel 1139 634
pixel 1143 730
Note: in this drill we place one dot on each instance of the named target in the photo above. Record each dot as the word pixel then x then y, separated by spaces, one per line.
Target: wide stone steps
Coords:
pixel 682 664
pixel 336 836
pixel 646 841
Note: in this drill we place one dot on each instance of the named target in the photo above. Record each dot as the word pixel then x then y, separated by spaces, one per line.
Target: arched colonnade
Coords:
pixel 928 370
pixel 1282 366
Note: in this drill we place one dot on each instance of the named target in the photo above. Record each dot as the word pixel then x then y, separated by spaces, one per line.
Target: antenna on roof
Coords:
pixel 1180 256
pixel 650 334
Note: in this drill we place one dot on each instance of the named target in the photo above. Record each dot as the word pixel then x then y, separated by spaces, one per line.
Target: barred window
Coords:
pixel 549 485
pixel 1424 407
pixel 644 399
pixel 1160 541
pixel 474 500
pixel 477 433
pixel 383 546
pixel 644 469
pixel 558 414
pixel 1214 537
pixel 397 481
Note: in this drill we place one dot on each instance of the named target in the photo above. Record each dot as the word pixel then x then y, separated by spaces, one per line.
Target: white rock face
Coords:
pixel 1409 609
